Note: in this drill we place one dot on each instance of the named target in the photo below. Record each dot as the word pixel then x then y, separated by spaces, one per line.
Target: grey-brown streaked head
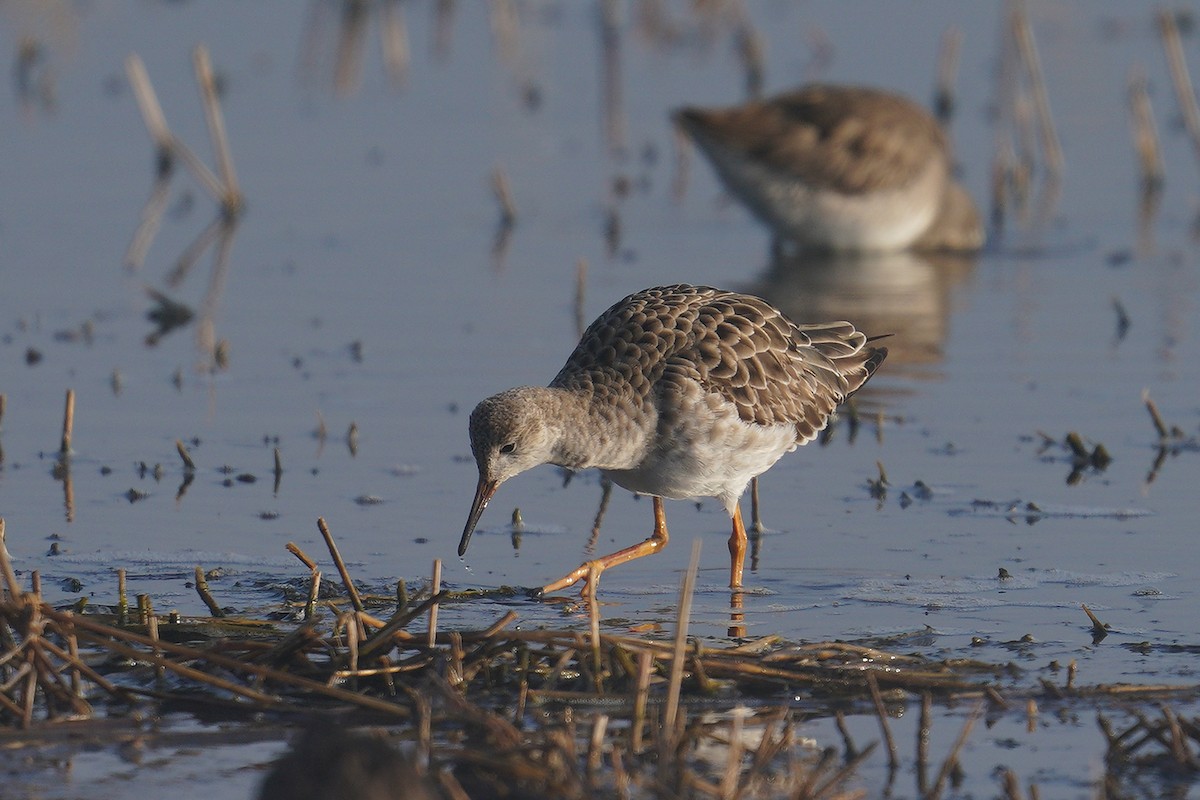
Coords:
pixel 509 435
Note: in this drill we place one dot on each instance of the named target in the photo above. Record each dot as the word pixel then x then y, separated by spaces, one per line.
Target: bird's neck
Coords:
pixel 588 433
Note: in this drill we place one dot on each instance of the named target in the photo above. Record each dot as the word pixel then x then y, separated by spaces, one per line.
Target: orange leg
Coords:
pixel 737 549
pixel 590 571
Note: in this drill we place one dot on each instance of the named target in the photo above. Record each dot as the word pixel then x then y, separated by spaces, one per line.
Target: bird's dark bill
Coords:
pixel 483 493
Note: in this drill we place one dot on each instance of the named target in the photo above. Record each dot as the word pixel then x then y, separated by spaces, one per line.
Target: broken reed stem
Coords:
pixel 113 638
pixel 947 68
pixel 924 725
pixel 231 197
pixel 185 456
pixel 295 550
pixel 147 100
pixel 167 143
pixel 1180 77
pixel 751 53
pixel 3 405
pixel 593 605
pixel 1097 625
pixel 756 523
pixel 500 188
pixel 68 423
pixel 1156 418
pixel 881 712
pixel 581 270
pixel 13 589
pixel 1145 135
pixel 152 632
pixel 944 773
pixel 645 664
pixel 355 600
pixel 395 627
pixel 314 591
pixel 122 598
pixel 393 39
pixel 670 715
pixel 435 586
pixel 1027 49
pixel 205 595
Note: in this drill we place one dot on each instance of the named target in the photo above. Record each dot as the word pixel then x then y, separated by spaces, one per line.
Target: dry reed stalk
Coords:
pixel 349 623
pixel 185 456
pixel 68 423
pixel 751 53
pixel 939 785
pixel 152 215
pixel 123 599
pixel 1051 147
pixel 1145 134
pixel 756 524
pixel 3 405
pixel 682 620
pixel 51 681
pixel 393 38
pixel 503 194
pixel 593 607
pixel 881 713
pixel 295 550
pixel 231 197
pixel 147 100
pixel 72 657
pixel 12 588
pixel 924 727
pixel 645 663
pixel 1159 426
pixel 610 75
pixel 1012 786
pixel 314 591
pixel 145 609
pixel 727 789
pixel 202 589
pixel 595 751
pixel 108 636
pixel 683 165
pixel 394 627
pixel 167 143
pixel 947 67
pixel 1180 76
pixel 35 584
pixel 355 600
pixel 1098 627
pixel 278 472
pixel 581 270
pixel 435 586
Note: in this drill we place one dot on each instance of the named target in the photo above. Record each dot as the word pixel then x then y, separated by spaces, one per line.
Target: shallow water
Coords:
pixel 367 285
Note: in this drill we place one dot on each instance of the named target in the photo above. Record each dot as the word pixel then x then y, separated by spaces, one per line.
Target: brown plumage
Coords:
pixel 840 168
pixel 675 391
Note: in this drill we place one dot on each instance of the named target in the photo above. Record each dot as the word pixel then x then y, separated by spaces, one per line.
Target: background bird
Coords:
pixel 840 168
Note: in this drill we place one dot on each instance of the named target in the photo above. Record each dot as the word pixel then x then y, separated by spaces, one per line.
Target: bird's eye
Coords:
pixel 508 448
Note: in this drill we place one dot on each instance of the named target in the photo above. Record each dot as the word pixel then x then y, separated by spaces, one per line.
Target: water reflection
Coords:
pixel 344 24
pixel 906 294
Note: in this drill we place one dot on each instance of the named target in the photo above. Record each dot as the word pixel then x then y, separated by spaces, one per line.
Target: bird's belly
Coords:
pixel 876 220
pixel 710 461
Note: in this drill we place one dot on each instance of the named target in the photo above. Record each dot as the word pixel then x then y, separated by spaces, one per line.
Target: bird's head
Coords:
pixel 509 435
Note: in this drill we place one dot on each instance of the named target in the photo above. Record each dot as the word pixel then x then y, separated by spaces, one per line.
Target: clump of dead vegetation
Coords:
pixel 495 712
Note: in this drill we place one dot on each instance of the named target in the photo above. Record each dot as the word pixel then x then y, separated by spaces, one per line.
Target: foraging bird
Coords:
pixel 840 168
pixel 679 392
